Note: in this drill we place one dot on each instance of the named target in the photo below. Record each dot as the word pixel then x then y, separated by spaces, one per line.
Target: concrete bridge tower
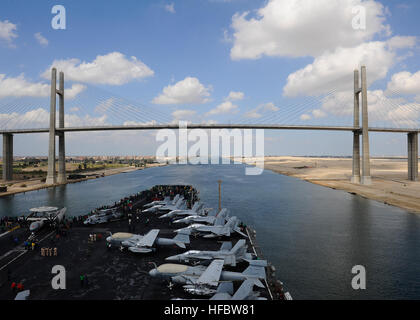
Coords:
pixel 52 175
pixel 365 178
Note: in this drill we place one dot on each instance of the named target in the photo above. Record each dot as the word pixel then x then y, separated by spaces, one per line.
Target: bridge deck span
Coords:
pixel 209 126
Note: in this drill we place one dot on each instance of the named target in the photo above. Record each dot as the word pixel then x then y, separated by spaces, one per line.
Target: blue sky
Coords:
pixel 212 47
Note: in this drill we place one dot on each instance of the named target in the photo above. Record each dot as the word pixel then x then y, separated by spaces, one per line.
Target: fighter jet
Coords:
pixel 202 280
pixel 209 219
pixel 163 202
pixel 103 216
pixel 219 229
pixel 144 244
pixel 230 256
pixel 195 210
pixel 244 292
pixel 158 207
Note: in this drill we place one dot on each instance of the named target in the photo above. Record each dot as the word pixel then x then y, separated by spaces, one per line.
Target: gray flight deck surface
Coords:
pixel 111 274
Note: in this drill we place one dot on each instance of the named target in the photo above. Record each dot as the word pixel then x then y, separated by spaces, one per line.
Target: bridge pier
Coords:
pixel 355 178
pixel 413 156
pixel 51 175
pixel 366 178
pixel 7 156
pixel 61 141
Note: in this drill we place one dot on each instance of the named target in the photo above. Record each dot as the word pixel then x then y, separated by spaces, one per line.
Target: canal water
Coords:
pixel 313 235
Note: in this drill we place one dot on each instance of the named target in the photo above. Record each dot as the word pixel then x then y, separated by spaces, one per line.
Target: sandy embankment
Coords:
pixel 389 178
pixel 20 186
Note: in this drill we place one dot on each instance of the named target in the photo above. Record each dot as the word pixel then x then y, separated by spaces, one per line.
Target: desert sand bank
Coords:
pixel 20 186
pixel 389 178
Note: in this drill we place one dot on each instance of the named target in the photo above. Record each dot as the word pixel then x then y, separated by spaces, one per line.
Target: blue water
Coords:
pixel 313 235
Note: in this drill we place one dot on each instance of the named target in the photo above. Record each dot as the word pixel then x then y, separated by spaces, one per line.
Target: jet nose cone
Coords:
pixel 172 258
pixel 153 273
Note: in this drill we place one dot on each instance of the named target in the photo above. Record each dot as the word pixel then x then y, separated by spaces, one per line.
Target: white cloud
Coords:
pixel 41 39
pixel 400 42
pixel 224 108
pixel 287 28
pixel 404 83
pixel 318 113
pixel 40 117
pixel 394 111
pixel 75 89
pixel 187 91
pixel 257 112
pixel 113 69
pixel 20 87
pixel 170 7
pixel 7 31
pixel 235 95
pixel 334 69
pixel 305 117
pixel 183 114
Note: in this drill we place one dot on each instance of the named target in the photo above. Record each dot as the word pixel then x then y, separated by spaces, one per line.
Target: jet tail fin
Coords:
pixel 182 237
pixel 241 243
pixel 256 269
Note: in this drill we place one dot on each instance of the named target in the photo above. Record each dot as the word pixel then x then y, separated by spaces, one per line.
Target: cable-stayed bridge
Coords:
pixel 335 110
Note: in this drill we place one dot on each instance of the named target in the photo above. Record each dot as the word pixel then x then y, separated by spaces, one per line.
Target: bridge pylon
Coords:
pixel 365 178
pixel 52 175
pixel 355 178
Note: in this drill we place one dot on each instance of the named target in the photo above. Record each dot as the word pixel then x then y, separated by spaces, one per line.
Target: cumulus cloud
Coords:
pixel 112 69
pixel 396 111
pixel 7 31
pixel 183 115
pixel 41 39
pixel 257 112
pixel 404 83
pixel 287 28
pixel 187 91
pixel 170 7
pixel 235 95
pixel 224 108
pixel 334 68
pixel 74 91
pixel 20 87
pixel 40 118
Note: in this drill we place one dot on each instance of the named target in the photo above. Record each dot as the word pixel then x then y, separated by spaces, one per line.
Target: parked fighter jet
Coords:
pixel 180 205
pixel 156 208
pixel 230 256
pixel 202 280
pixel 103 216
pixel 209 219
pixel 166 200
pixel 195 210
pixel 144 244
pixel 244 292
pixel 219 229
